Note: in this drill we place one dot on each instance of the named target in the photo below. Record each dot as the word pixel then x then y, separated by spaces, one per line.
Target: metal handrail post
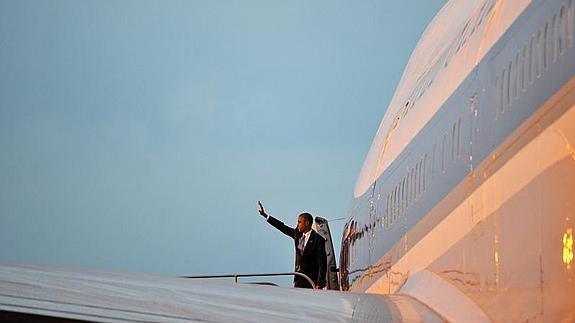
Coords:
pixel 236 276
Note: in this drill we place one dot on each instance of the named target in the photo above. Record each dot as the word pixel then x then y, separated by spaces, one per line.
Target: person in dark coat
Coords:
pixel 310 256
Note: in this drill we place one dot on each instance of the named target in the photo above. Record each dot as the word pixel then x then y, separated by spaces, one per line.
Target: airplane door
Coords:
pixel 322 227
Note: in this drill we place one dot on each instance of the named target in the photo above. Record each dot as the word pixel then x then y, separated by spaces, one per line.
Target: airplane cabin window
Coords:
pixel 386 213
pixel 553 39
pixel 562 31
pixel 424 171
pixel 570 24
pixel 458 146
pixel 406 195
pixel 504 90
pixel 390 209
pixel 454 141
pixel 420 178
pixel 546 46
pixel 508 88
pixel 407 189
pixel 443 152
pixel 418 181
pixel 433 163
pixel 540 51
pixel 397 202
pixel 399 198
pixel 522 68
pixel 402 197
pixel 411 185
pixel 499 96
pixel 395 196
pixel 515 77
pixel 532 49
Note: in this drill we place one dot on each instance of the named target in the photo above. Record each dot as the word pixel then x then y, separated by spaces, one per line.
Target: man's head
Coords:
pixel 304 222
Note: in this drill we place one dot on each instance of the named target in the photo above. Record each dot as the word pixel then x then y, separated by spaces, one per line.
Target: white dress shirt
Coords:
pixel 306 237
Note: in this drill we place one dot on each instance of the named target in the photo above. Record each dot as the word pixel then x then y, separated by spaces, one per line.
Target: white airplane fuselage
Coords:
pixel 468 187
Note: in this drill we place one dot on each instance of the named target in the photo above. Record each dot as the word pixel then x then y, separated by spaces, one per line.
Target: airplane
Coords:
pixel 464 199
pixel 462 212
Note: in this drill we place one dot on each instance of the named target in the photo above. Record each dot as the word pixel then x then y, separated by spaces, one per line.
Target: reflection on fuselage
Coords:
pixel 568 248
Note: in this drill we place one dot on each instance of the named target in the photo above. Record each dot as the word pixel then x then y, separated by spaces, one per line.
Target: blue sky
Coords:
pixel 138 135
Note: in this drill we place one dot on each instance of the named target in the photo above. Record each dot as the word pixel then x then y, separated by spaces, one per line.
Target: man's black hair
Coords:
pixel 307 217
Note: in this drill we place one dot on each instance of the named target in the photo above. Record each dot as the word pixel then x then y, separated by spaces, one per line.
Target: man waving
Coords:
pixel 310 256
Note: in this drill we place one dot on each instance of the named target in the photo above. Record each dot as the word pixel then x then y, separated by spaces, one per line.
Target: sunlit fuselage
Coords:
pixel 470 174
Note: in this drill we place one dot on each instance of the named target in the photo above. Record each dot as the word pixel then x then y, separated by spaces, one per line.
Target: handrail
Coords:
pixel 235 276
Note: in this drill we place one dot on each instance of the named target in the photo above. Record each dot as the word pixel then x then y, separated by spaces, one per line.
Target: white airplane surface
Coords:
pixel 464 209
pixel 41 293
pixel 465 200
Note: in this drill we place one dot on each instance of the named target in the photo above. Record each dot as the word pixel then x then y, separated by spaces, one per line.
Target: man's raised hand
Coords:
pixel 261 210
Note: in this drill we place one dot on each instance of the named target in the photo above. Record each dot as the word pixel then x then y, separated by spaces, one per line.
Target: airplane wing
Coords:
pixel 42 293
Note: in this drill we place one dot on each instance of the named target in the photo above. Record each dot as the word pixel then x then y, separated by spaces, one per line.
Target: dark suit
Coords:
pixel 313 260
